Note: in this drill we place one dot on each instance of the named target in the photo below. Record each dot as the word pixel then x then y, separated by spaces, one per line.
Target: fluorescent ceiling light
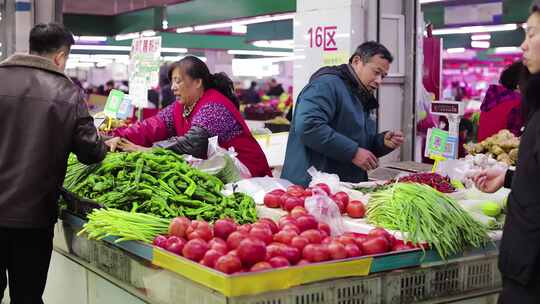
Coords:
pixel 100 47
pixel 148 33
pixel 174 50
pixel 239 29
pixel 455 50
pixel 90 38
pixel 429 1
pixel 259 53
pixel 481 37
pixel 126 36
pixel 259 19
pixel 280 44
pixel 508 50
pixel 476 29
pixel 184 29
pixel 480 44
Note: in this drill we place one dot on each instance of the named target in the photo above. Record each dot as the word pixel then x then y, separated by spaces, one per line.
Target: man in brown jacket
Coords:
pixel 43 118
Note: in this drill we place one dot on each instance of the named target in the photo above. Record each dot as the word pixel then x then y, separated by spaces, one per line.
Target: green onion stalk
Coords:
pixel 426 215
pixel 127 226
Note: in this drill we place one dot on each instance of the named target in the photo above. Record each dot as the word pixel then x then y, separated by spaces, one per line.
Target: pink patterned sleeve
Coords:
pixel 151 130
pixel 218 121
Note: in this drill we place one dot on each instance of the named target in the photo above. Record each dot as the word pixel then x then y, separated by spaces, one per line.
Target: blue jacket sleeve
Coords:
pixel 315 110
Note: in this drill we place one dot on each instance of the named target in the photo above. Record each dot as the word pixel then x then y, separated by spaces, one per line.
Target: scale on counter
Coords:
pixel 453 111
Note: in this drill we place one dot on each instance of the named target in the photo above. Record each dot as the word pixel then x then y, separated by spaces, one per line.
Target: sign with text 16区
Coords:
pixel 323 37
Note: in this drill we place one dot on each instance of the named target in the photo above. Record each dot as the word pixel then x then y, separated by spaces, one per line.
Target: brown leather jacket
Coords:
pixel 43 117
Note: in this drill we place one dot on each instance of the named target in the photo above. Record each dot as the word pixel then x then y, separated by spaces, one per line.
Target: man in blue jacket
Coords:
pixel 332 128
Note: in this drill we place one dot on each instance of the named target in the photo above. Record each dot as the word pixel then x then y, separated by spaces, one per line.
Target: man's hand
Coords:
pixel 393 139
pixel 489 180
pixel 113 143
pixel 365 160
pixel 127 146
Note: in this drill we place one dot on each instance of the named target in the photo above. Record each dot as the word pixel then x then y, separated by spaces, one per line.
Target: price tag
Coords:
pixel 113 103
pixel 126 108
pixel 436 142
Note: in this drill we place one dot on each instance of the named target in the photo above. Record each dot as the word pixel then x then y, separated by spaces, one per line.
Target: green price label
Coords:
pixel 437 140
pixel 113 103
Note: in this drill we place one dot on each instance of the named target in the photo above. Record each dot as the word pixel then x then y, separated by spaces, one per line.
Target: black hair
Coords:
pixel 49 38
pixel 197 69
pixel 369 49
pixel 535 7
pixel 253 85
pixel 510 76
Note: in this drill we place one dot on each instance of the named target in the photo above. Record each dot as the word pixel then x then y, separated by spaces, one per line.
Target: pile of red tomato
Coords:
pixel 296 239
pixel 295 196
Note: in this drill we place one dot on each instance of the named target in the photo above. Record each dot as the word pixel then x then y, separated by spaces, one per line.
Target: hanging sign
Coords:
pixel 145 59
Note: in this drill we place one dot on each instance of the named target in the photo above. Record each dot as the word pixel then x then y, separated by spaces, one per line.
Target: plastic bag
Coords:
pixel 220 162
pixel 325 210
pixel 332 180
pixel 257 187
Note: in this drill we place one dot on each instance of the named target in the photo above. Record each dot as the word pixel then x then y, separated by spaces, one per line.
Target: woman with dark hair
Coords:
pixel 207 107
pixel 501 108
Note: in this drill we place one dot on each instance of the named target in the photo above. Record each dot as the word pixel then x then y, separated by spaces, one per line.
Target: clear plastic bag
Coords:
pixel 332 180
pixel 257 187
pixel 222 163
pixel 325 210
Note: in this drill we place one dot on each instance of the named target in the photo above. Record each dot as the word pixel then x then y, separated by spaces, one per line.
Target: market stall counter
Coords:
pixel 406 277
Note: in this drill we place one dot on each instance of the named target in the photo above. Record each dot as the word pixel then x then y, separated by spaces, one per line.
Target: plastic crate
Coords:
pixel 411 286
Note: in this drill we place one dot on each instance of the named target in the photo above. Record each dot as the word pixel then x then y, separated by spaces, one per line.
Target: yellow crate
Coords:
pixel 264 281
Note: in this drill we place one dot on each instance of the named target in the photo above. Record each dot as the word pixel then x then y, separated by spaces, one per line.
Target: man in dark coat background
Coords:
pixel 332 127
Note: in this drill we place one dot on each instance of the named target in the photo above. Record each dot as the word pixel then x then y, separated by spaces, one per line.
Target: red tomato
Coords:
pixel 251 251
pixel 303 262
pixel 174 244
pixel 285 236
pixel 324 187
pixel 263 234
pixel 327 240
pixel 178 226
pixel 224 227
pixel 271 223
pixel 272 200
pixel 279 261
pixel 345 239
pixel 210 258
pixel 159 241
pixel 298 211
pixel 299 242
pixel 401 246
pixel 295 190
pixel 244 228
pixel 337 250
pixel 352 250
pixel 286 219
pixel 195 250
pixel 291 253
pixel 324 227
pixel 228 264
pixel 308 191
pixel 291 227
pixel 341 206
pixel 342 196
pixel 316 253
pixel 307 222
pixel 356 209
pixel 313 236
pixel 261 266
pixel 235 238
pixel 375 245
pixel 292 202
pixel 199 230
pixel 277 191
pixel 274 249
